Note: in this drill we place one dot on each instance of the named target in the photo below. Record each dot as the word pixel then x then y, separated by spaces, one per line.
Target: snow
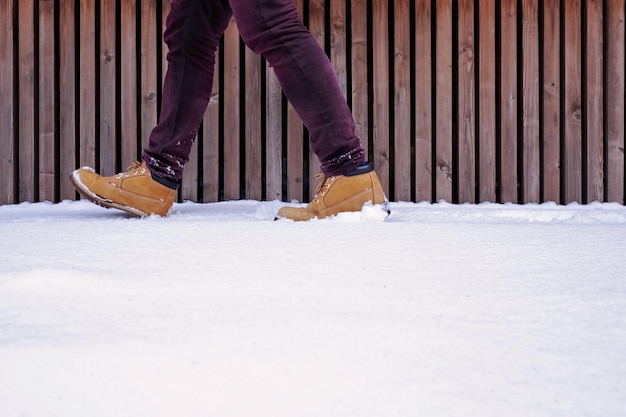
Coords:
pixel 217 310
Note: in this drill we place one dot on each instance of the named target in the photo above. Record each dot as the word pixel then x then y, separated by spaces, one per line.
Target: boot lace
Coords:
pixel 323 186
pixel 133 169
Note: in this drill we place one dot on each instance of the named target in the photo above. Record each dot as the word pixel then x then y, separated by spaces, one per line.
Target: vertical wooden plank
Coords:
pixel 402 100
pixel 443 101
pixel 359 71
pixel 7 139
pixel 572 154
pixel 615 85
pixel 487 101
pixel 148 69
pixel 210 141
pixel 295 148
pixel 189 182
pixel 254 167
pixel 318 30
pixel 594 108
pixel 254 186
pixel 67 97
pixel 316 20
pixel 26 86
pixel 337 32
pixel 107 61
pixel 551 114
pixel 508 102
pixel 189 187
pixel 380 47
pixel 273 134
pixel 230 100
pixel 165 11
pixel 530 84
pixel 128 96
pixel 423 102
pixel 87 82
pixel 46 104
pixel 466 100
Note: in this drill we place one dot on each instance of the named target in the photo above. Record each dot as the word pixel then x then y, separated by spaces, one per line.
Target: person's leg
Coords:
pixel 274 29
pixel 193 30
pixel 192 35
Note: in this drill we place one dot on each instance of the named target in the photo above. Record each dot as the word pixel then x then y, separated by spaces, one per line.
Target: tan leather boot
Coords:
pixel 133 191
pixel 340 193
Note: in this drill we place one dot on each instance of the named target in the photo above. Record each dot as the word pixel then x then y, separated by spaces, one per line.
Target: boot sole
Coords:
pixel 384 207
pixel 101 201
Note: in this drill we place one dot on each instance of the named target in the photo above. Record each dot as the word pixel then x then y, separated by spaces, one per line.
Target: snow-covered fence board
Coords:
pixel 467 101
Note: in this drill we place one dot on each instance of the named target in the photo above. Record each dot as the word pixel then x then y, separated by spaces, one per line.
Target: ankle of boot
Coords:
pixel 363 168
pixel 165 182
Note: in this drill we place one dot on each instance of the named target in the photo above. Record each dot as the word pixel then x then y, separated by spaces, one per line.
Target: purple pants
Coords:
pixel 272 28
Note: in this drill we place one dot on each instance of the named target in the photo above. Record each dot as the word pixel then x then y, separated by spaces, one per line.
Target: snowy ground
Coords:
pixel 441 310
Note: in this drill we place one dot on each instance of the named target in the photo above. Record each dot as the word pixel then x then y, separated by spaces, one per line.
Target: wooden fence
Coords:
pixel 465 101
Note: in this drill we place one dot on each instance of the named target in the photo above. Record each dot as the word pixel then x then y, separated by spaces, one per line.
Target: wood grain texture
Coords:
pixel 466 94
pixel 148 64
pixel 443 169
pixel 26 104
pixel 486 135
pixel 67 99
pixel 7 129
pixel 572 161
pixel 615 84
pixel 551 90
pixel 531 179
pixel 232 121
pixel 107 60
pixel 210 157
pixel 254 186
pixel 402 101
pixel 46 104
pixel 509 102
pixel 593 115
pixel 274 133
pixel 130 143
pixel 381 97
pixel 423 102
pixel 359 68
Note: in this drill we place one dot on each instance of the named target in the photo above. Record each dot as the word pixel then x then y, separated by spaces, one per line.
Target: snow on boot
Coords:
pixel 134 191
pixel 340 193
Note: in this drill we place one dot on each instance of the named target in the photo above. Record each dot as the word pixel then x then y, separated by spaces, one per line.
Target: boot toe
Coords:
pixel 84 180
pixel 294 213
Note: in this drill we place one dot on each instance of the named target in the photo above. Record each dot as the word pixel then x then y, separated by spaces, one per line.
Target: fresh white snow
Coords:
pixel 217 310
